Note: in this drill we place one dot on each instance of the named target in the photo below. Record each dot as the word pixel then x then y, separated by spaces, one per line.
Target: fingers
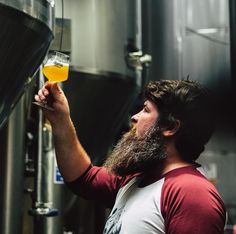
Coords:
pixel 50 90
pixel 52 95
pixel 42 95
pixel 45 91
pixel 36 98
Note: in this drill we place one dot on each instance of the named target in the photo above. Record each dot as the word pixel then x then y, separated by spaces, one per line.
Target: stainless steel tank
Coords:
pixel 12 153
pixel 26 33
pixel 188 37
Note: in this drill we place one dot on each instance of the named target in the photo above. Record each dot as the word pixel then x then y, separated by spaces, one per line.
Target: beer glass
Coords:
pixel 55 69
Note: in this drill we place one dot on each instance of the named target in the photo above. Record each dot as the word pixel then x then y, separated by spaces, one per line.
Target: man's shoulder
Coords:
pixel 188 186
pixel 187 179
pixel 187 194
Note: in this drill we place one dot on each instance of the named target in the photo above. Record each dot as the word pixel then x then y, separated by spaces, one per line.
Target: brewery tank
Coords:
pixel 26 33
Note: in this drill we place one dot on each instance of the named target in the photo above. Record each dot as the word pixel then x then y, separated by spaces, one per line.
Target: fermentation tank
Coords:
pixel 26 33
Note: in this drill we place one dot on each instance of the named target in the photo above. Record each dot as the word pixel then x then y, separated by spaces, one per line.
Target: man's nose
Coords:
pixel 134 118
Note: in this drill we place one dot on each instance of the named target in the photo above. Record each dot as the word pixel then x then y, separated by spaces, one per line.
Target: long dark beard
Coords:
pixel 133 155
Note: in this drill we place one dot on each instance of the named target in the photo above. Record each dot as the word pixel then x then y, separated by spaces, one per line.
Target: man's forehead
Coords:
pixel 149 103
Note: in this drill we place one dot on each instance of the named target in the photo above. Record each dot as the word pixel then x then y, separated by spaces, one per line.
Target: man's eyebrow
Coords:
pixel 145 105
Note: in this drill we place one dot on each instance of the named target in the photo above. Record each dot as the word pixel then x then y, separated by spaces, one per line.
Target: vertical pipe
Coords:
pixel 232 24
pixel 39 160
pixel 232 18
pixel 147 35
pixel 47 193
pixel 12 140
pixel 179 33
pixel 138 38
pixel 47 220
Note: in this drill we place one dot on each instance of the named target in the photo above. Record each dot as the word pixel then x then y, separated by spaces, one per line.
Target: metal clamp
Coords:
pixel 51 2
pixel 137 60
pixel 43 211
pixel 47 137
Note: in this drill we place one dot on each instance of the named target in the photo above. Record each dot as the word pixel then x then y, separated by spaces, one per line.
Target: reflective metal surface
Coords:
pixel 160 38
pixel 24 41
pixel 102 31
pixel 43 10
pixel 188 37
pixel 204 49
pixel 47 207
pixel 26 33
pixel 232 6
pixel 205 43
pixel 12 138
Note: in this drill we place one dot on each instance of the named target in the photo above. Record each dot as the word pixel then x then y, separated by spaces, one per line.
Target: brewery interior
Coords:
pixel 115 48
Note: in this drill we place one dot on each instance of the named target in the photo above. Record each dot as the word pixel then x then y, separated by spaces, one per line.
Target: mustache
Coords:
pixel 132 130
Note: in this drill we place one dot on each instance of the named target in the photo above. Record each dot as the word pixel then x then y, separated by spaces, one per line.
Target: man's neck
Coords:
pixel 173 160
pixel 174 165
pixel 157 172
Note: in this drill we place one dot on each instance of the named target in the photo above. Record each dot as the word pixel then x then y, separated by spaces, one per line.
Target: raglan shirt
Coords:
pixel 182 201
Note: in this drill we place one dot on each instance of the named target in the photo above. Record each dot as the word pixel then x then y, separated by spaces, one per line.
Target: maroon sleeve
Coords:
pixel 191 204
pixel 97 184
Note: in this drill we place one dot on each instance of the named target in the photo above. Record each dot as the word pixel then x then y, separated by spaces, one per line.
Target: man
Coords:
pixel 151 178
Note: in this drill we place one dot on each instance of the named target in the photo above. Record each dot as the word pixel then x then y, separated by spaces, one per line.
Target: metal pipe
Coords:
pixel 138 36
pixel 39 160
pixel 47 193
pixel 137 59
pixel 232 17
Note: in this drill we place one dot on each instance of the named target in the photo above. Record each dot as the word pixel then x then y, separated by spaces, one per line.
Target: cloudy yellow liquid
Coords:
pixel 56 73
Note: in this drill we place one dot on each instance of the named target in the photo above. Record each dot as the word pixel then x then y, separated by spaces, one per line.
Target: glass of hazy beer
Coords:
pixel 55 69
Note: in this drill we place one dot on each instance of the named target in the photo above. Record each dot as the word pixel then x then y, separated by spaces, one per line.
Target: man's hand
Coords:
pixel 52 94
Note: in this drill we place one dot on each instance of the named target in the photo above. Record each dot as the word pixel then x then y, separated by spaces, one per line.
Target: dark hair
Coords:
pixel 189 103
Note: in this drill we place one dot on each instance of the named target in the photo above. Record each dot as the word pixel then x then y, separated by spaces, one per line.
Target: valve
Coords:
pixel 137 60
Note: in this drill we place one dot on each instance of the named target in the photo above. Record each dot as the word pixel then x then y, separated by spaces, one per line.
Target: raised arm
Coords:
pixel 72 159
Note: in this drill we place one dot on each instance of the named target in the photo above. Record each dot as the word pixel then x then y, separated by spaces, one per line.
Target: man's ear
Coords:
pixel 171 132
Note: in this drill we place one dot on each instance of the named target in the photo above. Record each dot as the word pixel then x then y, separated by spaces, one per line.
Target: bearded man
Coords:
pixel 151 178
